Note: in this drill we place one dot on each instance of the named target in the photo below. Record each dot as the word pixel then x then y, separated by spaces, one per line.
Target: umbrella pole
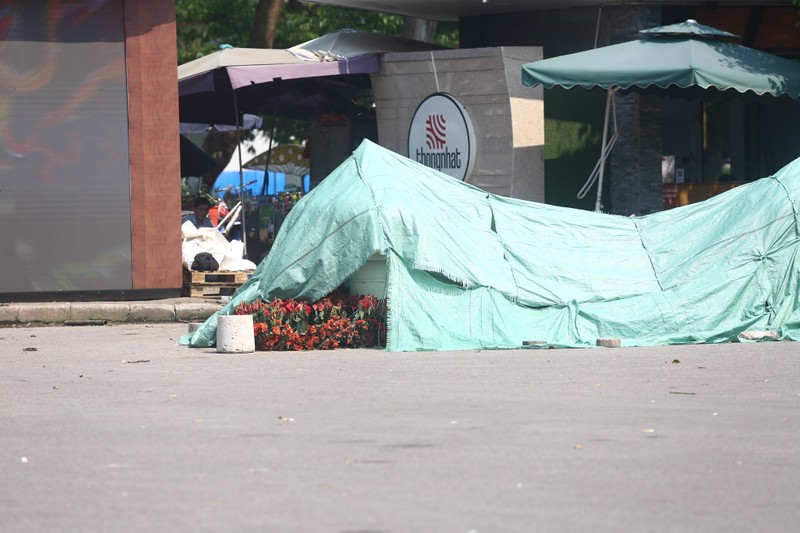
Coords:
pixel 265 183
pixel 241 173
pixel 606 147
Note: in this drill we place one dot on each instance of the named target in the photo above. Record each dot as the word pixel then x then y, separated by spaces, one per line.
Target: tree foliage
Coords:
pixel 797 3
pixel 203 25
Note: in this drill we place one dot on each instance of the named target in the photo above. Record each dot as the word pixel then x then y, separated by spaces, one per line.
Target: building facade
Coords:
pixel 89 171
pixel 507 118
pixel 733 141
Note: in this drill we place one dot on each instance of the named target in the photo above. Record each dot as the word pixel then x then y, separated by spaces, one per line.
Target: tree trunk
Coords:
pixel 419 29
pixel 222 145
pixel 262 34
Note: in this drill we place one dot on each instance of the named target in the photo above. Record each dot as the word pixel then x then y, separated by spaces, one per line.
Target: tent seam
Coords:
pixel 386 250
pixel 791 203
pixel 375 203
pixel 505 249
pixel 647 253
pixel 338 229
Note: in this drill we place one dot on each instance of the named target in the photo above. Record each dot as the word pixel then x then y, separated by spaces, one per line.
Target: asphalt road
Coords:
pixel 117 428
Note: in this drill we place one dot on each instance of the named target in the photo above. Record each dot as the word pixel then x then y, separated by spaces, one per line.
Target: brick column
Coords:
pixel 151 59
pixel 635 163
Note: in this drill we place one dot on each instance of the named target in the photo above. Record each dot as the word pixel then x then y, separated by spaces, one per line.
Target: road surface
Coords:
pixel 117 428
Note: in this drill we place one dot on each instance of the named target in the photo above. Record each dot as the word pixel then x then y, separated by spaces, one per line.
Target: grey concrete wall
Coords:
pixel 508 119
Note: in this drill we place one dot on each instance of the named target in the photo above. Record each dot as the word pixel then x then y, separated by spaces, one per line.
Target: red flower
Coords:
pixel 339 320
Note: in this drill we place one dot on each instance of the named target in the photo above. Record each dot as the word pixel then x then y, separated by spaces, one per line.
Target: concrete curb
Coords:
pixel 57 313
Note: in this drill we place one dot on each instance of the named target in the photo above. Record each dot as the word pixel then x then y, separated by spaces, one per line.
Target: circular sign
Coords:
pixel 441 136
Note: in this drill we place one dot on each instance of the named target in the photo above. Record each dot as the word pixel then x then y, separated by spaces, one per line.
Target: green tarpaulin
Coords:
pixel 472 270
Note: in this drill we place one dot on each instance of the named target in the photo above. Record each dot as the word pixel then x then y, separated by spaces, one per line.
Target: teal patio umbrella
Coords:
pixel 686 60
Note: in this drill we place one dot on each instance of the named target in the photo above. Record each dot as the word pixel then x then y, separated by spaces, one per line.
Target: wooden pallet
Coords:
pixel 230 277
pixel 214 284
pixel 211 291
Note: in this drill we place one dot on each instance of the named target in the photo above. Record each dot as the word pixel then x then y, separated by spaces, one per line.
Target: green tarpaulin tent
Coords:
pixel 470 270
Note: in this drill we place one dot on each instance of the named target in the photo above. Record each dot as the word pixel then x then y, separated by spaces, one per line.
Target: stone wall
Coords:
pixel 508 118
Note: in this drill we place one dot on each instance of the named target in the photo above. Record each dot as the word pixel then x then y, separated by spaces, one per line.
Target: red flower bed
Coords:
pixel 338 321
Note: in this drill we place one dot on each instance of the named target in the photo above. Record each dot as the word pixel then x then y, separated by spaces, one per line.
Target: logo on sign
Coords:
pixel 435 129
pixel 441 136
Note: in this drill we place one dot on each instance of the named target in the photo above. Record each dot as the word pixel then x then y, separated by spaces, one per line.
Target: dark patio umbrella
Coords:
pixel 349 43
pixel 194 161
pixel 222 86
pixel 251 66
pixel 296 99
pixel 248 122
pixel 685 60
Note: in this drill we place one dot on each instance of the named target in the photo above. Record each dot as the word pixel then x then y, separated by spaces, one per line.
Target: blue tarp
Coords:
pixel 230 178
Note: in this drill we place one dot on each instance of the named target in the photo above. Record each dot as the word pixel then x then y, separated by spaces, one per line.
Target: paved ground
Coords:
pixel 116 428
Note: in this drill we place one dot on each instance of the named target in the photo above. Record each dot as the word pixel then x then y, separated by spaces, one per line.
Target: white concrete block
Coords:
pixel 235 334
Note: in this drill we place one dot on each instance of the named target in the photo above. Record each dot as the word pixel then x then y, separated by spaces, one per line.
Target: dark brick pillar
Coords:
pixel 635 164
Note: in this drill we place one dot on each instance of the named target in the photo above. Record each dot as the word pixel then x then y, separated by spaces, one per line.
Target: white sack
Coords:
pixel 227 254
